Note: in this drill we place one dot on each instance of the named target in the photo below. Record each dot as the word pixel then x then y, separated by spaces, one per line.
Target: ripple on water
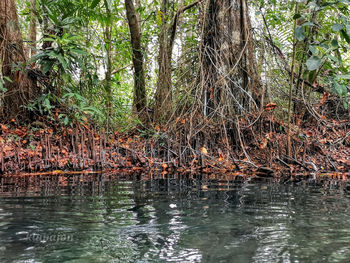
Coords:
pixel 109 219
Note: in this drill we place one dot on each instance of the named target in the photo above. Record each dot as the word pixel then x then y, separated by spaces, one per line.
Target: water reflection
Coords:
pixel 179 218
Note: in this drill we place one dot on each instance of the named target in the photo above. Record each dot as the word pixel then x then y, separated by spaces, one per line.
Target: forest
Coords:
pixel 259 88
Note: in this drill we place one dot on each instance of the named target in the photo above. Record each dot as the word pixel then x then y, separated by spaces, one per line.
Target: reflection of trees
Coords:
pixel 208 218
pixel 293 225
pixel 158 231
pixel 76 204
pixel 169 217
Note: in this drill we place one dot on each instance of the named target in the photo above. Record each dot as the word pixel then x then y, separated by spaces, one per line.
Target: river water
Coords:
pixel 118 218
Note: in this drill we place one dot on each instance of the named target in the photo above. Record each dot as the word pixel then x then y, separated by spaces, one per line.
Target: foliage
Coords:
pixel 323 34
pixel 76 60
pixel 83 70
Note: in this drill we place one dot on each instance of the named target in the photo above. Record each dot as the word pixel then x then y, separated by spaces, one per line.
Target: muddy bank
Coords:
pixel 38 149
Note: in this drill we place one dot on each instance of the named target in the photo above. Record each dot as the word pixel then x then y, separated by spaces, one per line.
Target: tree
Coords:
pixel 18 86
pixel 33 31
pixel 163 92
pixel 163 96
pixel 228 78
pixel 140 100
pixel 108 43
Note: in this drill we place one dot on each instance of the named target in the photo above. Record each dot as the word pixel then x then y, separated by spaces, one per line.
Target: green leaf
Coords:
pixel 345 36
pixel 48 39
pixel 109 4
pixel 52 55
pixel 66 120
pixel 335 43
pixel 52 15
pixel 47 66
pixel 63 61
pixel 333 58
pixel 300 33
pixel 347 77
pixel 313 63
pixel 2 88
pixel 79 51
pixel 337 27
pixel 313 50
pixel 8 79
pixel 296 16
pixel 47 104
pixel 309 24
pixel 340 89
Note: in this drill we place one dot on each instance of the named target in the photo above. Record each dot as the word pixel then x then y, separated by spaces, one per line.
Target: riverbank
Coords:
pixel 40 148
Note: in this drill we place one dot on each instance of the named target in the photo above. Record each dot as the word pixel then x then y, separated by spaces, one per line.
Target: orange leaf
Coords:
pixel 308 133
pixel 263 144
pixel 125 145
pixel 3 127
pixel 204 151
pixel 324 98
pixel 270 106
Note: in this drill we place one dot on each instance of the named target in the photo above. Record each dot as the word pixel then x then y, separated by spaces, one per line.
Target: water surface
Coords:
pixel 115 218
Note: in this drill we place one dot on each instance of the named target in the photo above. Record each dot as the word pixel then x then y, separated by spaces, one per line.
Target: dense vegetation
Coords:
pixel 224 84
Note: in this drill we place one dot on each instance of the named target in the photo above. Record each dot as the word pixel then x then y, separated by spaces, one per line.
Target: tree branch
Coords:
pixel 175 21
pixel 279 52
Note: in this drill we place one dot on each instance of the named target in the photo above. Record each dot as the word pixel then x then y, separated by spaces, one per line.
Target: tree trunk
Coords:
pixel 163 96
pixel 46 31
pixel 32 36
pixel 140 100
pixel 12 59
pixel 228 76
pixel 108 77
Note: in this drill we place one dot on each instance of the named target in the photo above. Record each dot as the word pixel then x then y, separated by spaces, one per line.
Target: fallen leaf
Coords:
pixel 263 144
pixel 204 151
pixel 3 128
pixel 270 106
pixel 324 98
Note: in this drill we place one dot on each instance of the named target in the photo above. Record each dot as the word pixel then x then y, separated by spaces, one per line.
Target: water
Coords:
pixel 115 218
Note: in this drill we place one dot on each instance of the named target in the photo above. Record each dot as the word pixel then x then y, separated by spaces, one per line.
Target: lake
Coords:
pixel 172 218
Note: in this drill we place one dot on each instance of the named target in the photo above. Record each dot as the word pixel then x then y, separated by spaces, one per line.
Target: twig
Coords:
pixel 283 162
pixel 341 140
